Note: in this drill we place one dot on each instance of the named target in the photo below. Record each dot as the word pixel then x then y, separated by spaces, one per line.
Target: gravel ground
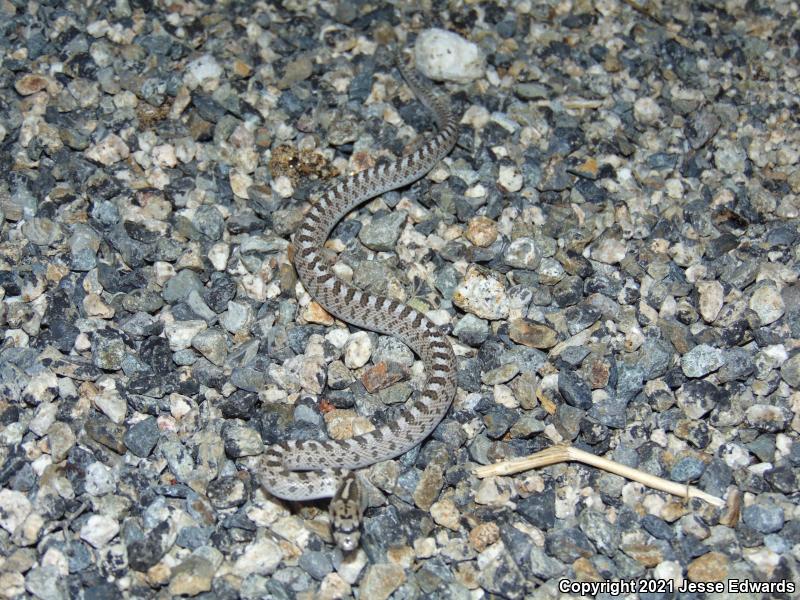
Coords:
pixel 612 245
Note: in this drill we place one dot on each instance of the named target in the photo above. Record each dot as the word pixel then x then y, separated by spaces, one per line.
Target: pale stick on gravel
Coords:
pixel 563 453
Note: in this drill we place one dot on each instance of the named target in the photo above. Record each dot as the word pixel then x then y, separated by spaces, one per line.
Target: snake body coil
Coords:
pixel 305 470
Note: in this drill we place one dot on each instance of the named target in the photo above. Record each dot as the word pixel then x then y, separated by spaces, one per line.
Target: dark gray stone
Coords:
pixel 142 437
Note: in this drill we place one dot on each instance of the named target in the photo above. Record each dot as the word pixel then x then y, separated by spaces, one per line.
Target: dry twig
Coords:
pixel 563 453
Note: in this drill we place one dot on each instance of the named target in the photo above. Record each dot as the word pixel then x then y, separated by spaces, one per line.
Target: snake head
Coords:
pixel 346 509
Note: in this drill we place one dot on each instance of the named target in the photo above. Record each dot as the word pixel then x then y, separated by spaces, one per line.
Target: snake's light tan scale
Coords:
pixel 305 470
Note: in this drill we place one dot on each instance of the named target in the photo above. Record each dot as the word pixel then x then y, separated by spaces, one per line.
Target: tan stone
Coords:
pixel 446 513
pixel 481 231
pixel 709 567
pixel 484 535
pixel 532 334
pixel 381 580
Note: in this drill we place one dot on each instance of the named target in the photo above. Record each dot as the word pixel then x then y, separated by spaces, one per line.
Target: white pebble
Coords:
pixel 674 188
pixel 55 558
pixel 112 405
pixel 203 69
pixel 219 254
pixel 179 407
pixel 282 186
pixel 164 155
pixel 99 530
pixel 95 307
pixel 669 570
pixel 99 479
pixel 16 507
pixel 260 557
pixel 358 350
pixel 734 456
pixel 711 297
pixel 767 303
pixel 238 316
pixel 351 567
pixel 162 272
pixel 490 493
pixel 126 99
pixel 445 56
pixel 439 317
pixel 180 333
pixel 609 250
pixel 41 463
pixel 240 182
pixel 476 116
pixel 523 253
pixel 28 532
pixel 185 149
pixel 42 387
pixel 482 294
pixel 16 338
pixel 646 111
pixel 338 337
pixel 110 150
pixel 509 179
pixel 44 417
pixel 504 396
pixel 333 586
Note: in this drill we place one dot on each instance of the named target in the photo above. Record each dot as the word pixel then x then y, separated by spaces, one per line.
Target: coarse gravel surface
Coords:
pixel 612 247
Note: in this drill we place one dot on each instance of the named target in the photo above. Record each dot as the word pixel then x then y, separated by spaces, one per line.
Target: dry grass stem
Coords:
pixel 563 453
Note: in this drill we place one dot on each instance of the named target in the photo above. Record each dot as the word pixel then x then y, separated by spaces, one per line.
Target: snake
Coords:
pixel 300 470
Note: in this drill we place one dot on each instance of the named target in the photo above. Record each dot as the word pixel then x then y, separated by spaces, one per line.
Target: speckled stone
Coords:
pixel 701 360
pixel 481 294
pixel 764 518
